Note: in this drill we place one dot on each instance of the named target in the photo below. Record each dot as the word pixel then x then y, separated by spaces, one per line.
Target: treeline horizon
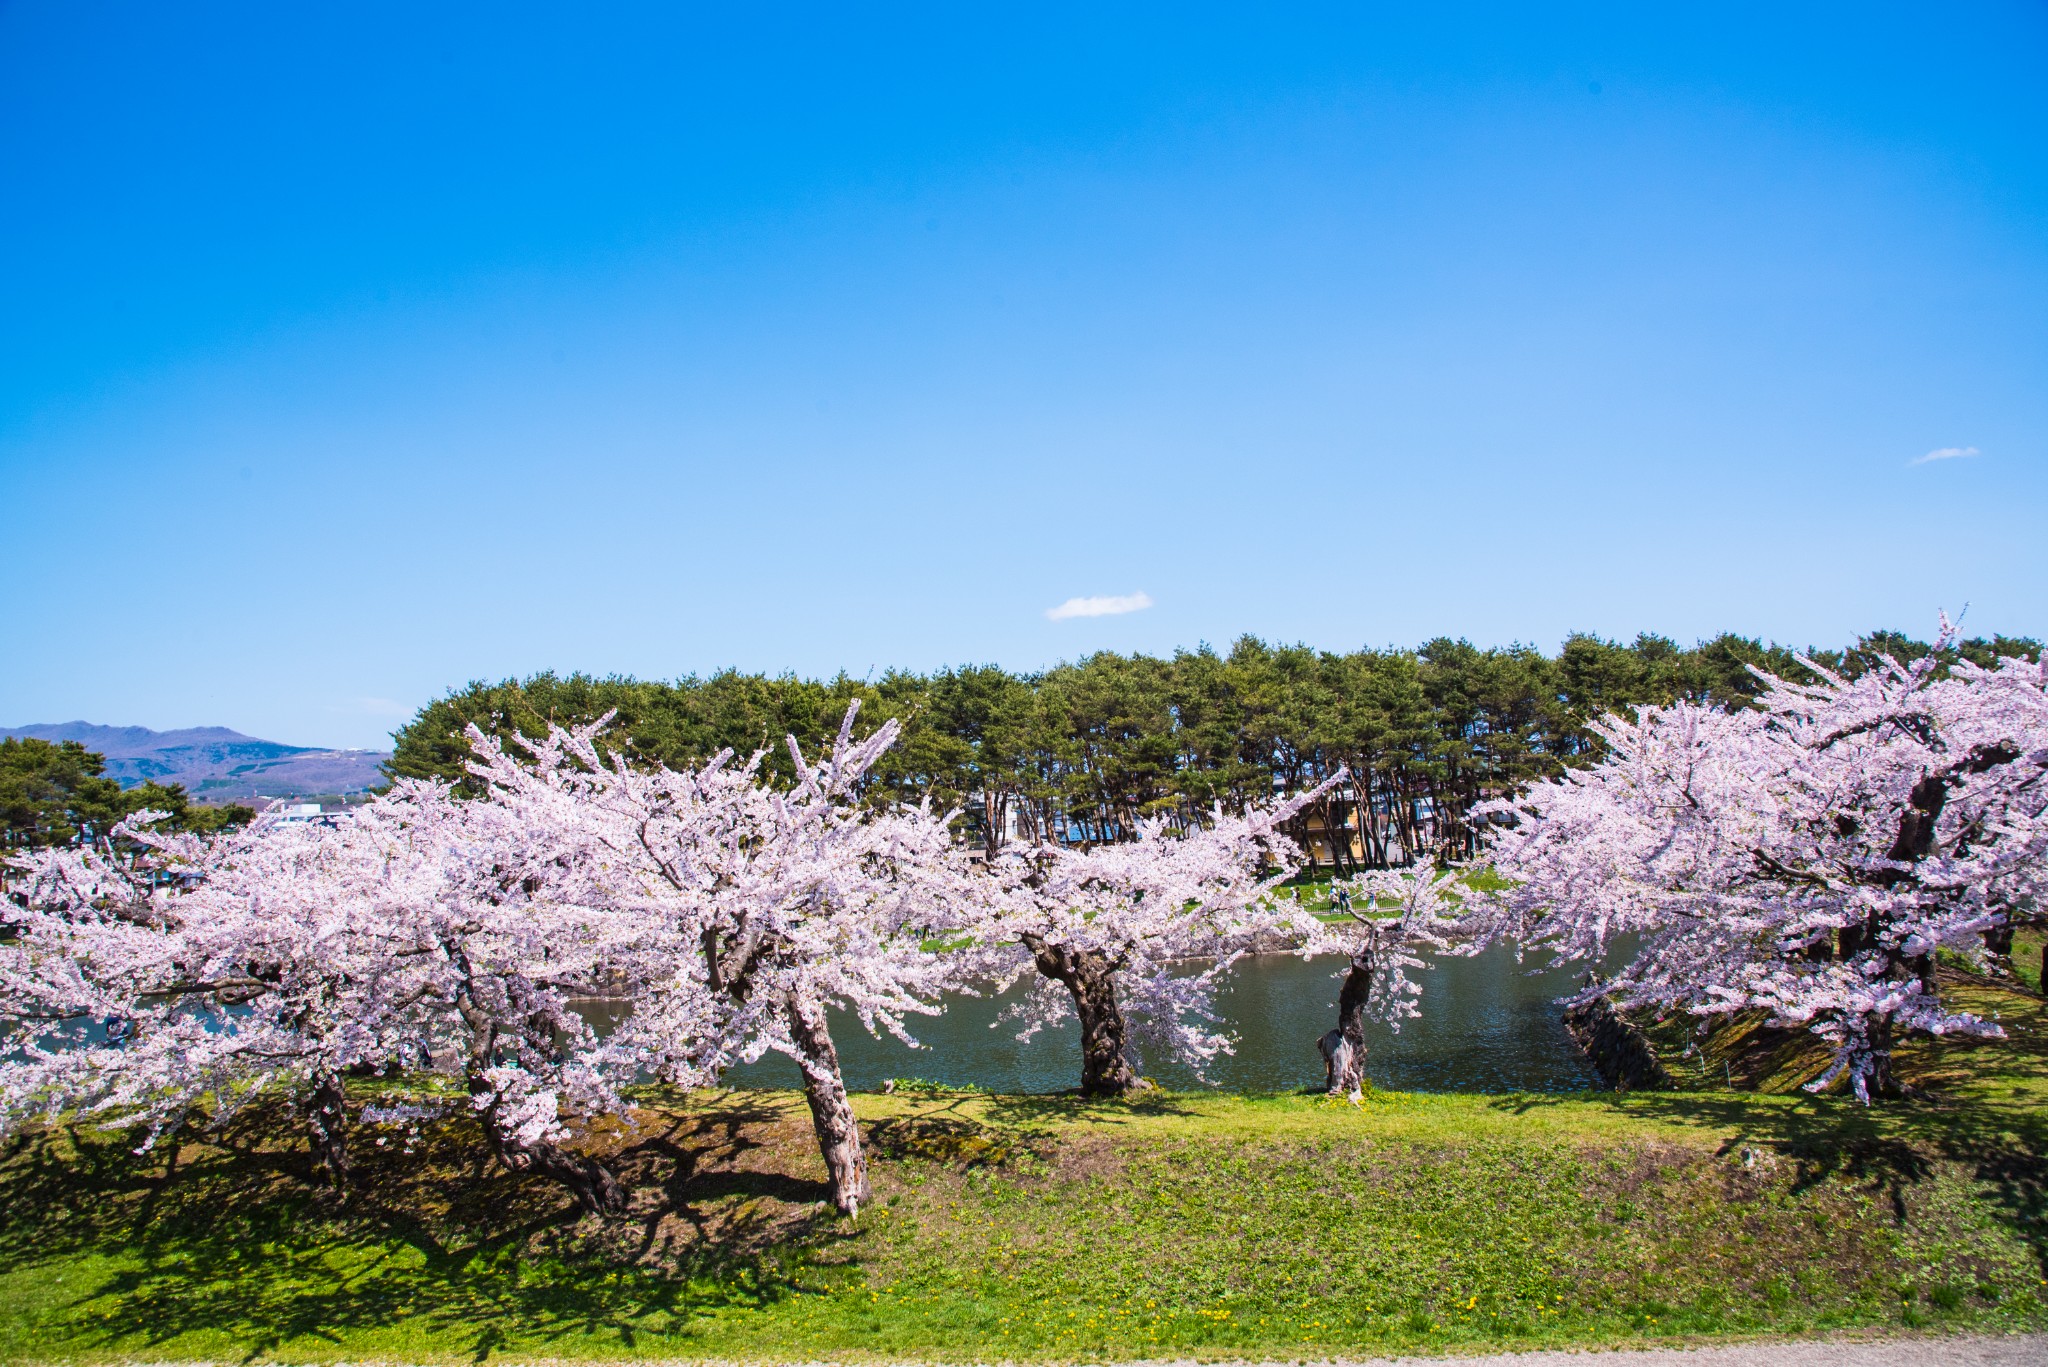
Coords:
pixel 1083 750
pixel 57 792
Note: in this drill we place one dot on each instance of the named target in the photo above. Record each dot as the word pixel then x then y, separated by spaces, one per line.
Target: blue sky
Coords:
pixel 349 353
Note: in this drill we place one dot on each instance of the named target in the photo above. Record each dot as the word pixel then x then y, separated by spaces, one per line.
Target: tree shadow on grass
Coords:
pixel 1980 1106
pixel 220 1246
pixel 1887 1149
pixel 1030 1111
pixel 958 1141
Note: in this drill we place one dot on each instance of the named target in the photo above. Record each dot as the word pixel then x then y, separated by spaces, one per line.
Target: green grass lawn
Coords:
pixel 1049 1228
pixel 2026 955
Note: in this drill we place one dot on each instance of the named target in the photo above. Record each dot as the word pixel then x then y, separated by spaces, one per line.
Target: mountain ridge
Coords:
pixel 216 764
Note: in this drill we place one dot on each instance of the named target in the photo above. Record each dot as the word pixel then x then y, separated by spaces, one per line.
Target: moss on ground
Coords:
pixel 2028 945
pixel 1744 1053
pixel 1052 1228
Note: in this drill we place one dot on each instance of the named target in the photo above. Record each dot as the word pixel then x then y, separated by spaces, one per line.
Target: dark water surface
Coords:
pixel 1487 1025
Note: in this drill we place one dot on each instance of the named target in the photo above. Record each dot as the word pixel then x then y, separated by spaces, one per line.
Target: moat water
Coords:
pixel 1488 1024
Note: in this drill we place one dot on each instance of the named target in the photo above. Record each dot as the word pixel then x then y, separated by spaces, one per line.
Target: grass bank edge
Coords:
pixel 962 1207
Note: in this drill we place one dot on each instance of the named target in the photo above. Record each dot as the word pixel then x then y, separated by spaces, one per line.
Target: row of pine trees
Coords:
pixel 1082 751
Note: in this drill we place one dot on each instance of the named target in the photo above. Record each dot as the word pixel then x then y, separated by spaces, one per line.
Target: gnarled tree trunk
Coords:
pixel 831 1113
pixel 1105 1044
pixel 1883 1081
pixel 1998 942
pixel 326 1113
pixel 587 1179
pixel 730 968
pixel 1343 1049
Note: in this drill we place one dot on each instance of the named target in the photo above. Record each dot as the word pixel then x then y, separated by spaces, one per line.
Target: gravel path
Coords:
pixel 2017 1350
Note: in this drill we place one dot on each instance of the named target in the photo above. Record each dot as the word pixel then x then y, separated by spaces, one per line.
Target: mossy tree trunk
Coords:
pixel 1089 975
pixel 587 1179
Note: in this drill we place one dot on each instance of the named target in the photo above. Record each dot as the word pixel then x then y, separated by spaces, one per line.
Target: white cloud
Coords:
pixel 1945 453
pixel 1100 607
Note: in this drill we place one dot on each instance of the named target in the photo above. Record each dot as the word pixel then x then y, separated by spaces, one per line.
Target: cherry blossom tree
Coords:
pixel 152 978
pixel 765 908
pixel 1133 938
pixel 505 930
pixel 149 975
pixel 1392 913
pixel 1807 857
pixel 147 980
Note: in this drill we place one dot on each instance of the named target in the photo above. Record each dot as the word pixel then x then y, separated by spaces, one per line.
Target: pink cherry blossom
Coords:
pixel 1807 857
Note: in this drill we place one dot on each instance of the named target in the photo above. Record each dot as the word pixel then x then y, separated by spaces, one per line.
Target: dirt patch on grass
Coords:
pixel 1087 1156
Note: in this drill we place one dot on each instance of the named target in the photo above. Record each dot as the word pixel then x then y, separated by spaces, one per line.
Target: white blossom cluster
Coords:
pixel 149 973
pixel 1165 915
pixel 1807 857
pixel 150 978
pixel 1393 913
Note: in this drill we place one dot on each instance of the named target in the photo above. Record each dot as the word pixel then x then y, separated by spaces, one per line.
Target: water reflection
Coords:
pixel 1487 1025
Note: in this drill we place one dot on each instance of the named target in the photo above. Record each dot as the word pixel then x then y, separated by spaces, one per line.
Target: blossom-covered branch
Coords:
pixel 1807 857
pixel 1133 938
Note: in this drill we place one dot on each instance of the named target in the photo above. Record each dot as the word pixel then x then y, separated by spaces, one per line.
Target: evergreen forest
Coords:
pixel 1080 752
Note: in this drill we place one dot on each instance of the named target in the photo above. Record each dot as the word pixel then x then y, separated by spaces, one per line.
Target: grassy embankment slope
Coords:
pixel 1049 1228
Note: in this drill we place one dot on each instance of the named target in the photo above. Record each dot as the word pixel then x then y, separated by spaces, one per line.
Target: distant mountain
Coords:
pixel 216 764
